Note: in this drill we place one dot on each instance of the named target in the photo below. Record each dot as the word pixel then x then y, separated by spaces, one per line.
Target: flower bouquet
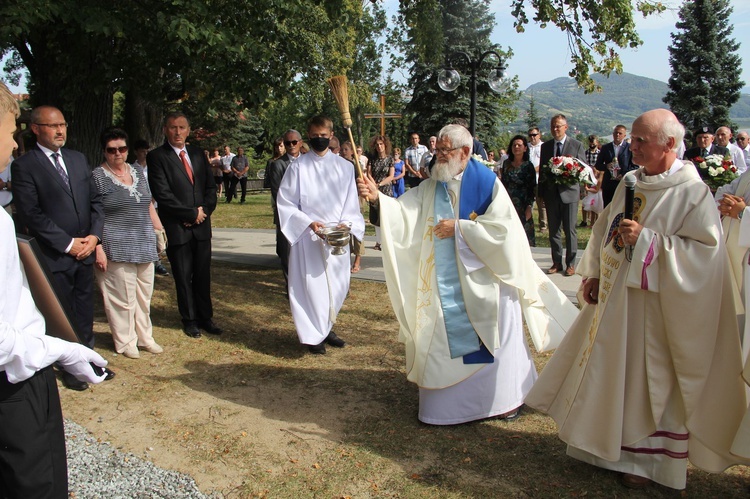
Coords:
pixel 479 159
pixel 566 170
pixel 715 170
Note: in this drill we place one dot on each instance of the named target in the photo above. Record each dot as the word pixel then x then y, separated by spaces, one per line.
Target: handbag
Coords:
pixel 161 240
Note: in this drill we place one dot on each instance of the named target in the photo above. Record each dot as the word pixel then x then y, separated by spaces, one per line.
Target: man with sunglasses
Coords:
pixel 535 152
pixel 57 205
pixel 743 142
pixel 276 170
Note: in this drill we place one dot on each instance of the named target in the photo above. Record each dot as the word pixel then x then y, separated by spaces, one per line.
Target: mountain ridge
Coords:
pixel 623 98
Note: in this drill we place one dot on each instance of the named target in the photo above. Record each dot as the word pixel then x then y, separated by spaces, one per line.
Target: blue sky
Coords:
pixel 542 54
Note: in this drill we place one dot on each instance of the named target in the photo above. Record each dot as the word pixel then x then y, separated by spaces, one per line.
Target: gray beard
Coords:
pixel 443 171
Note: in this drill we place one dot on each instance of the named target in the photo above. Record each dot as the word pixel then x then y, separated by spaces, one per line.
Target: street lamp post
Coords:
pixel 449 79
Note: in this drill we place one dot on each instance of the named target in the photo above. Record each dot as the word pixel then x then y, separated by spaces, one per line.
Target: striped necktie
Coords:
pixel 60 170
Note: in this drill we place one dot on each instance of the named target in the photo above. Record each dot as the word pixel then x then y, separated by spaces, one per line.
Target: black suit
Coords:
pixel 274 174
pixel 55 213
pixel 189 248
pixel 691 153
pixel 561 202
pixel 624 160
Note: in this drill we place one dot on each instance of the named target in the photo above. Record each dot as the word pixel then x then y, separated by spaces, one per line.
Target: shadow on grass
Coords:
pixel 359 396
pixel 376 410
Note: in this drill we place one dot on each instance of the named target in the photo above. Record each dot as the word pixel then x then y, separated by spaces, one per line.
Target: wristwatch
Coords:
pixel 739 215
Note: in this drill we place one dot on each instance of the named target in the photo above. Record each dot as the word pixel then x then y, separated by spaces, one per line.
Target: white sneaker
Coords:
pixel 153 348
pixel 131 352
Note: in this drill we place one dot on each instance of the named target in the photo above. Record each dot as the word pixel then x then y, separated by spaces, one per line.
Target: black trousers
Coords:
pixel 233 188
pixel 77 283
pixel 282 250
pixel 191 268
pixel 227 179
pixel 33 463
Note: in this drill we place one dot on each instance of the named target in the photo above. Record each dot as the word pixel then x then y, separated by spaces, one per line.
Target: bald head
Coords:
pixel 723 136
pixel 743 139
pixel 656 136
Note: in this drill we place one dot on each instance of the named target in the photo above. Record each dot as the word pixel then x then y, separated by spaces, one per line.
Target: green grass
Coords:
pixel 251 414
pixel 256 214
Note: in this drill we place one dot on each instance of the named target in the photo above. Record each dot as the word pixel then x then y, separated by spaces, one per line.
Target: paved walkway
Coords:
pixel 258 247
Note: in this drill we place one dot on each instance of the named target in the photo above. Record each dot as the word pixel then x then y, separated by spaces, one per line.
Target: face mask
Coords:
pixel 319 144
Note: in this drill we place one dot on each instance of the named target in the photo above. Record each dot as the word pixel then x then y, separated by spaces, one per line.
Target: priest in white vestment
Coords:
pixel 733 201
pixel 460 273
pixel 649 375
pixel 318 188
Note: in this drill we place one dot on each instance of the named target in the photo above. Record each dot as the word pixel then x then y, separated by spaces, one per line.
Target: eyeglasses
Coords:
pixel 291 142
pixel 54 126
pixel 533 135
pixel 115 150
pixel 445 150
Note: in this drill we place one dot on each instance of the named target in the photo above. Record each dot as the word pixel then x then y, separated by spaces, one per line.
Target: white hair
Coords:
pixel 458 136
pixel 671 128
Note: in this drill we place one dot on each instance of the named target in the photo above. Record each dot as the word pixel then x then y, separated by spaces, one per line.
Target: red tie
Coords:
pixel 183 157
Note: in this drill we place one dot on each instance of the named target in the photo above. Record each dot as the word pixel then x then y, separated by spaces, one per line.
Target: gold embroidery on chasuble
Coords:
pixel 426 271
pixel 612 261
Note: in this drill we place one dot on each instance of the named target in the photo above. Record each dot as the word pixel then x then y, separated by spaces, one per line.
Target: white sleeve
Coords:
pixel 22 355
pixel 644 267
pixel 469 259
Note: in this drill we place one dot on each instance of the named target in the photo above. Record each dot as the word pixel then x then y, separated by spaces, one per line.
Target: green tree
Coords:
pixel 705 79
pixel 434 29
pixel 191 54
pixel 290 106
pixel 595 29
pixel 532 114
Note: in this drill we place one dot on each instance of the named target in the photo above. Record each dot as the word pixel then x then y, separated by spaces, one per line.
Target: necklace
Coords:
pixel 118 175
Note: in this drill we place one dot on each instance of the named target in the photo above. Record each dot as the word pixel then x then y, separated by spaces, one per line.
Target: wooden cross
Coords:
pixel 382 115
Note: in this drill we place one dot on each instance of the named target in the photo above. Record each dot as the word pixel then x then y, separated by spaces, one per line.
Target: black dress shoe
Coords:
pixel 210 327
pixel 319 349
pixel 109 374
pixel 72 383
pixel 161 270
pixel 192 330
pixel 334 340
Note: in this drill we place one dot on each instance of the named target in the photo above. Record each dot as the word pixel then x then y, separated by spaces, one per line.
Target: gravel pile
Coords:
pixel 97 470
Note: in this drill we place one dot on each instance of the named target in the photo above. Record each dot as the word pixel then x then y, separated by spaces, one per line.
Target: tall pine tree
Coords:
pixel 532 114
pixel 705 79
pixel 433 29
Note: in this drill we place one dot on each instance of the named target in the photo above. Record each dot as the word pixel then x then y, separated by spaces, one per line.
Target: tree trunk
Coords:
pixel 143 119
pixel 92 114
pixel 73 83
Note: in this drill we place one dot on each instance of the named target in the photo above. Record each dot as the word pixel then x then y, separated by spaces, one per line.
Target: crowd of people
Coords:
pixel 638 383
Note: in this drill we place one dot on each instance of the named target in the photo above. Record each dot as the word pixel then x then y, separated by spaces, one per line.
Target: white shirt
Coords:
pixel 226 162
pixel 6 196
pixel 49 153
pixel 535 152
pixel 23 350
pixel 178 151
pixel 738 157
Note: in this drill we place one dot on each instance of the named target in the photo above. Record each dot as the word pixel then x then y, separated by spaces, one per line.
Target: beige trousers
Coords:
pixel 126 289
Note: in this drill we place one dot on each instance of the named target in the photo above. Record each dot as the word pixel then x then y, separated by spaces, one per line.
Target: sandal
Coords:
pixel 355 269
pixel 377 246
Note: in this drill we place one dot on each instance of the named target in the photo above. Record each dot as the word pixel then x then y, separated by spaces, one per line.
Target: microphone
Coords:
pixel 630 182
